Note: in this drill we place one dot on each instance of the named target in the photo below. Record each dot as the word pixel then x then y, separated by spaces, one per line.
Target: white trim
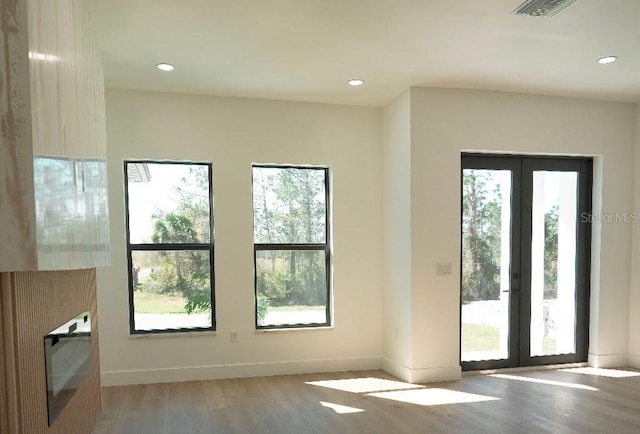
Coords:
pixel 195 373
pixel 396 369
pixel 634 360
pixel 429 375
pixel 294 329
pixel 435 375
pixel 607 360
pixel 184 334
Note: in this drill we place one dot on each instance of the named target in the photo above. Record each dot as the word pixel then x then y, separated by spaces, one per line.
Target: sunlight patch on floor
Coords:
pixel 364 385
pixel 601 372
pixel 433 396
pixel 341 409
pixel 541 381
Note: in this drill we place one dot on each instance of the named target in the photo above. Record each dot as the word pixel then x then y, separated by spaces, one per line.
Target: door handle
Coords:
pixel 515 282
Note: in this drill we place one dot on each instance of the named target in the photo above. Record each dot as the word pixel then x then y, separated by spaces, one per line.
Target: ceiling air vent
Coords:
pixel 543 8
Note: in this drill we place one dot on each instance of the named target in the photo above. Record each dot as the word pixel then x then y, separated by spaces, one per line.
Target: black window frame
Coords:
pixel 326 247
pixel 133 247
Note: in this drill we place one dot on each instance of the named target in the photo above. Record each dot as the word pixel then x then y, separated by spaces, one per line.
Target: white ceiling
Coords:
pixel 306 50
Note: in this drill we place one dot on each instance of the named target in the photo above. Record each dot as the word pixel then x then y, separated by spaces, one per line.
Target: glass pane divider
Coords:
pixel 171 246
pixel 290 246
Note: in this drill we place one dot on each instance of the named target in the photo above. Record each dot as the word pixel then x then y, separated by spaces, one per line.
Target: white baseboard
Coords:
pixel 396 369
pixel 429 375
pixel 435 375
pixel 634 361
pixel 607 360
pixel 195 373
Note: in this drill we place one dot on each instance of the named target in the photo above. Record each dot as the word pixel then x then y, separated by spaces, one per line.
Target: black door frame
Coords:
pixel 522 168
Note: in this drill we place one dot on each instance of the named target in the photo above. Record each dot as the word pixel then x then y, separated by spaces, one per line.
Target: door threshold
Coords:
pixel 525 368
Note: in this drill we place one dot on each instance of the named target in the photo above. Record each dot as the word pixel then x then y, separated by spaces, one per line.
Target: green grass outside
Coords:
pixel 548 345
pixel 475 337
pixel 480 337
pixel 149 302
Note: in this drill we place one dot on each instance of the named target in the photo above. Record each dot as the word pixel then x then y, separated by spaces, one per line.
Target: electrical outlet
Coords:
pixel 234 337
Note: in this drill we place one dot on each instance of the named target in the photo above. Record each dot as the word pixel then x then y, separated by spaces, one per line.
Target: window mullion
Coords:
pixel 171 246
pixel 290 246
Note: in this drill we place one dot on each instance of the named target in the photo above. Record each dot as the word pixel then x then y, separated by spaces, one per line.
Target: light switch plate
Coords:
pixel 443 269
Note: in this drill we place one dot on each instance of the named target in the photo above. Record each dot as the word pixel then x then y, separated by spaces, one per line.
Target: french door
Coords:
pixel 525 260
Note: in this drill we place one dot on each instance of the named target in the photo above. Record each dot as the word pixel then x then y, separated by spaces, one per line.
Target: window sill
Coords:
pixel 294 329
pixel 184 334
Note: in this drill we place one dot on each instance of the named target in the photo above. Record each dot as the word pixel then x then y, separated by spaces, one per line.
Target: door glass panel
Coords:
pixel 486 248
pixel 554 218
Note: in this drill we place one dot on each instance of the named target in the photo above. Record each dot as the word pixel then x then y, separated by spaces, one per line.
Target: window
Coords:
pixel 291 246
pixel 170 246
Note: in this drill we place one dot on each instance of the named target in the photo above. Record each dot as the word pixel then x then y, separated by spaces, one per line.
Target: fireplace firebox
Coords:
pixel 67 361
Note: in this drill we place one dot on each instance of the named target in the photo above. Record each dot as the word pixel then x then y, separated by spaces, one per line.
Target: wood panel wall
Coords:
pixel 34 303
pixel 4 416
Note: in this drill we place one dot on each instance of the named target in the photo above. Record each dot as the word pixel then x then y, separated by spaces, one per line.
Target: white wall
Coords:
pixel 445 122
pixel 395 192
pixel 634 295
pixel 397 236
pixel 233 133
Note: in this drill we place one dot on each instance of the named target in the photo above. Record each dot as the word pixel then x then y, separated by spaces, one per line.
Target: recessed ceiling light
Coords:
pixel 355 82
pixel 165 66
pixel 607 59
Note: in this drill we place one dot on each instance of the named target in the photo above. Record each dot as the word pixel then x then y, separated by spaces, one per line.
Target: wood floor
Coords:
pixel 555 401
